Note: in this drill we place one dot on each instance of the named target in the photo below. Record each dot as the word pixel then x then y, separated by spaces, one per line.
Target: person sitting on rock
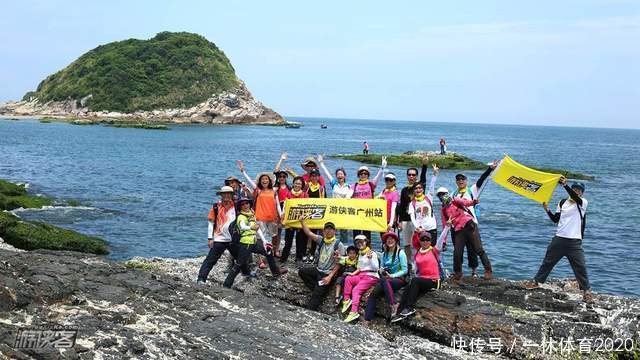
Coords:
pixel 249 228
pixel 320 278
pixel 427 277
pixel 221 215
pixel 570 217
pixel 393 275
pixel 347 267
pixel 364 278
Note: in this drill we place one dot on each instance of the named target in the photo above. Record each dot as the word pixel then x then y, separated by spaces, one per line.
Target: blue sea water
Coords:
pixel 148 192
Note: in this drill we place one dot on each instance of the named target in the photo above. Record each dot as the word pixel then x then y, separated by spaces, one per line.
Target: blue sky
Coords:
pixel 569 62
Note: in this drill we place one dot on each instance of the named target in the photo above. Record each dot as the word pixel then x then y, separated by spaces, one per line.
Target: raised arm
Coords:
pixel 283 157
pixel 432 184
pixel 244 173
pixel 380 171
pixel 484 176
pixel 423 170
pixel 324 168
pixel 572 194
pixel 308 231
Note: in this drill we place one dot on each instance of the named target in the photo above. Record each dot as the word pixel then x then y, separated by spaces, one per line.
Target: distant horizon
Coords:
pixel 287 117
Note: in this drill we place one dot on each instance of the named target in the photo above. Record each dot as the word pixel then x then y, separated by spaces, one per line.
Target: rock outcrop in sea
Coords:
pixel 151 308
pixel 236 106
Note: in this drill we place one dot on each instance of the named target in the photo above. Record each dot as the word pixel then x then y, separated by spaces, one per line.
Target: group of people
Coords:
pixel 247 220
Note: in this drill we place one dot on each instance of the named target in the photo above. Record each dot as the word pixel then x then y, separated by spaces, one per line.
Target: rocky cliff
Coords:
pixel 150 308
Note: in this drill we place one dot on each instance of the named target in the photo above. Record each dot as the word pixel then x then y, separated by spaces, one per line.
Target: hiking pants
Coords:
pixel 356 285
pixel 417 287
pixel 212 258
pixel 310 276
pixel 572 249
pixel 386 288
pixel 469 235
pixel 244 252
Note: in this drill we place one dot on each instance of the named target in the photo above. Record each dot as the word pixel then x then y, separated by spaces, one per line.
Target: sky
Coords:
pixel 569 63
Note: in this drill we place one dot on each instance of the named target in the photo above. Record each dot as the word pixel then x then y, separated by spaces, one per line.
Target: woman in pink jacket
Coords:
pixel 455 212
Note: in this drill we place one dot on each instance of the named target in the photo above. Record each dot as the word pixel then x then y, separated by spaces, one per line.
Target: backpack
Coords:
pixel 336 243
pixel 234 229
pixel 476 207
pixel 583 218
pixel 373 195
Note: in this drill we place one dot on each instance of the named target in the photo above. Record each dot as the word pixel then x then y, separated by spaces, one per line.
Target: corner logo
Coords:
pixel 527 185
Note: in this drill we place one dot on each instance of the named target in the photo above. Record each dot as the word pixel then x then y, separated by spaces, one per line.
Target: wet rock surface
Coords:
pixel 125 312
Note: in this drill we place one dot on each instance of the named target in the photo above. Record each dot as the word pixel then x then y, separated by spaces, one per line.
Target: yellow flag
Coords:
pixel 358 214
pixel 533 184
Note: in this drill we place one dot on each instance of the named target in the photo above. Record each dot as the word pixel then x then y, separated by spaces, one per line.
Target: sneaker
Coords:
pixel 200 283
pixel 397 318
pixel 262 265
pixel 253 274
pixel 587 297
pixel 338 300
pixel 345 305
pixel 282 271
pixel 457 277
pixel 474 273
pixel 488 275
pixel 531 284
pixel 305 259
pixel 352 316
pixel 407 312
pixel 311 259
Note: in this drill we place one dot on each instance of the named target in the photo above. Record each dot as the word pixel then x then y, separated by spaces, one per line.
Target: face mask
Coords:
pixel 445 198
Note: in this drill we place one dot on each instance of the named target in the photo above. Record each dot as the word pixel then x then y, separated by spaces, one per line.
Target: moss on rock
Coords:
pixel 14 196
pixel 31 235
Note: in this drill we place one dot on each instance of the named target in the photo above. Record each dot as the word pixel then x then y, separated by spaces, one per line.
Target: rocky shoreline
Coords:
pixel 151 308
pixel 236 106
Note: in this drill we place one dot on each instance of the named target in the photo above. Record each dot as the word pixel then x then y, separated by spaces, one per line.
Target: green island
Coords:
pixel 170 70
pixel 451 160
pixel 31 235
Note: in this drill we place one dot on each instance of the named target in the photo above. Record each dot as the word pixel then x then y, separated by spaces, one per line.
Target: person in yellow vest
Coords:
pixel 248 243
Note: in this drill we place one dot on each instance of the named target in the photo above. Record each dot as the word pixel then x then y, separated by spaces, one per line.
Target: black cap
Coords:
pixel 329 224
pixel 314 172
pixel 461 176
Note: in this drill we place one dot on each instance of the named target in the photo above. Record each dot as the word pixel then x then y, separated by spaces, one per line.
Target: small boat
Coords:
pixel 292 126
pixel 323 126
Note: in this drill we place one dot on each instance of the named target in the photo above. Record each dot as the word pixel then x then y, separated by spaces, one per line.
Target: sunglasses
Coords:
pixel 363 173
pixel 389 180
pixel 412 175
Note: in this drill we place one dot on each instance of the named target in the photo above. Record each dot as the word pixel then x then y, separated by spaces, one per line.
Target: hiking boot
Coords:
pixel 407 312
pixel 352 316
pixel 346 304
pixel 457 276
pixel 474 273
pixel 531 284
pixel 488 274
pixel 587 297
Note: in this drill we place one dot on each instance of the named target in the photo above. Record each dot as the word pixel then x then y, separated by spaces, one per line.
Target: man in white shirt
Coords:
pixel 570 217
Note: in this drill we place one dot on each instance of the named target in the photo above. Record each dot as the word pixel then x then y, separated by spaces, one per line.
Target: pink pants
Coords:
pixel 358 284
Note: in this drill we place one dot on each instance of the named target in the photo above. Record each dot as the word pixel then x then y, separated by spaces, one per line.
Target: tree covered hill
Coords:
pixel 168 71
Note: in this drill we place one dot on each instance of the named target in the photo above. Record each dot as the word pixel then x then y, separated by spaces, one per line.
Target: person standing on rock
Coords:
pixel 321 277
pixel 266 204
pixel 463 191
pixel 421 210
pixel 221 215
pixel 406 196
pixel 428 277
pixel 570 217
pixel 365 148
pixel 248 244
pixel 443 146
pixel 296 192
pixel 340 189
pixel 365 189
pixel 455 212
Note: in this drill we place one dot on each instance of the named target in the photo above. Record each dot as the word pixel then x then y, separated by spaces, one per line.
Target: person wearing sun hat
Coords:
pixel 309 164
pixel 391 195
pixel 570 217
pixel 364 278
pixel 365 188
pixel 239 190
pixel 221 215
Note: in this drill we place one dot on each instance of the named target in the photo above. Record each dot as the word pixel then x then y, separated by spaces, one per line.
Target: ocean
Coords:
pixel 148 192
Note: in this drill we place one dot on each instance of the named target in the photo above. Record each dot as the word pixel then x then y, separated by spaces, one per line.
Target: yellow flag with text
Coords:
pixel 358 214
pixel 533 184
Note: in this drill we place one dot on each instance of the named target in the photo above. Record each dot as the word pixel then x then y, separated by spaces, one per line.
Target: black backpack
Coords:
pixel 583 218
